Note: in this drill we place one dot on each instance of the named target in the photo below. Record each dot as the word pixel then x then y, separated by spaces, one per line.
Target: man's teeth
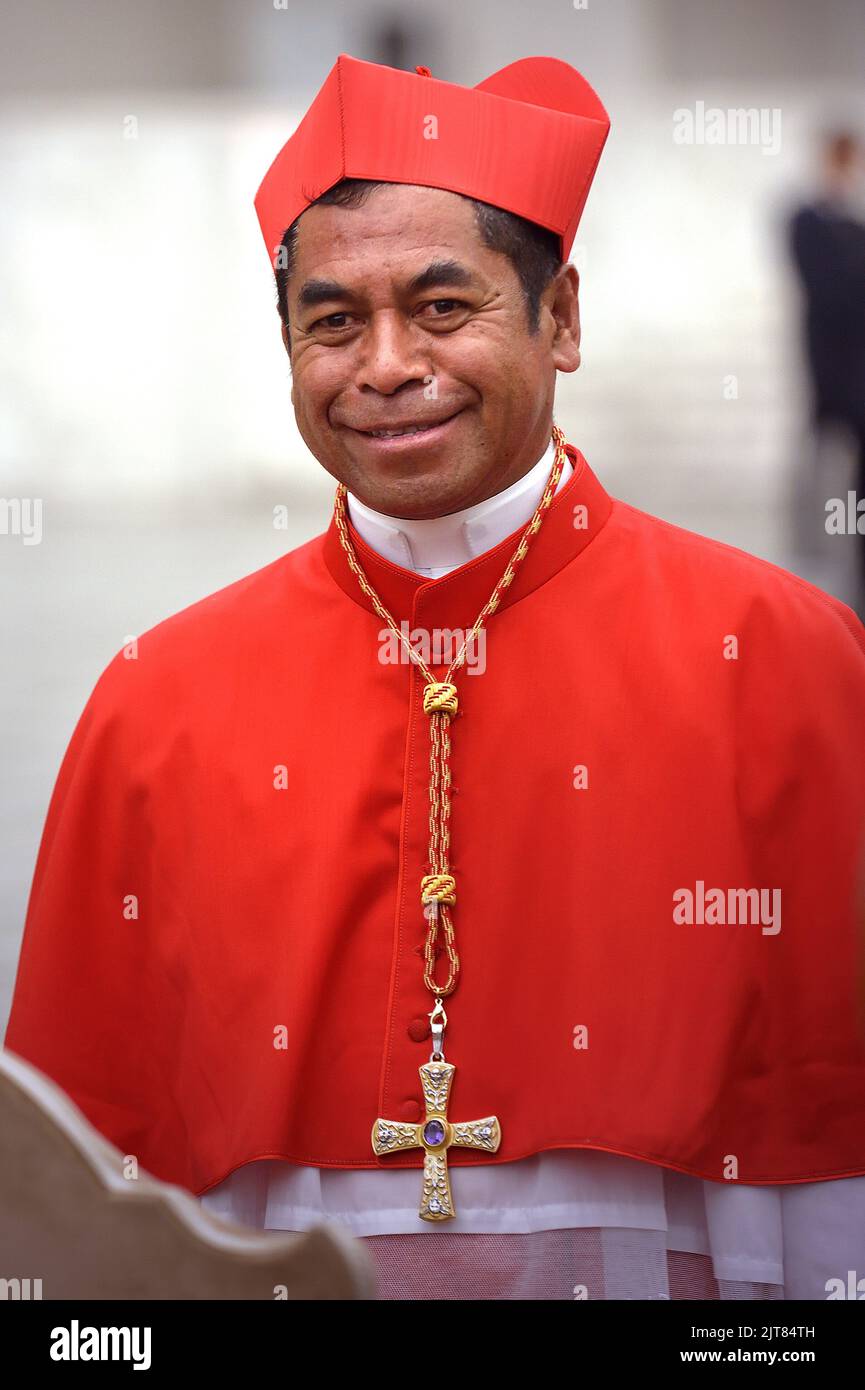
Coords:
pixel 390 434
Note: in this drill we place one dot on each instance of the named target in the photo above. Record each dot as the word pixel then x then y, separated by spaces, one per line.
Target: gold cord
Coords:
pixel 440 702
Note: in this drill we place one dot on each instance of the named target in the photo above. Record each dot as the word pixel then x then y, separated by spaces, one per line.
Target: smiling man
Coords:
pixel 318 933
pixel 366 325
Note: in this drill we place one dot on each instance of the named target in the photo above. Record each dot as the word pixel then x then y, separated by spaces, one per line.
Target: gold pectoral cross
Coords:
pixel 435 1136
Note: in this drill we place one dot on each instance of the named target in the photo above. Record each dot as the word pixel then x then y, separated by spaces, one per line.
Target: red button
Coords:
pixel 410 1110
pixel 418 1029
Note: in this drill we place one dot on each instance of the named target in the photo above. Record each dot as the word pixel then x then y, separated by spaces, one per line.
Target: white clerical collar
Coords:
pixel 436 546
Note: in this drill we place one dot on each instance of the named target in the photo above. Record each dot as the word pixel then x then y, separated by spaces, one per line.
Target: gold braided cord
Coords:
pixel 440 696
pixel 440 702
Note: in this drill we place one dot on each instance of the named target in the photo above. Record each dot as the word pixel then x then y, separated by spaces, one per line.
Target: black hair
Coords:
pixel 532 250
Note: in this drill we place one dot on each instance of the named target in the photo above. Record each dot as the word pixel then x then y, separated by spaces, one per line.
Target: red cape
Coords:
pixel 260 907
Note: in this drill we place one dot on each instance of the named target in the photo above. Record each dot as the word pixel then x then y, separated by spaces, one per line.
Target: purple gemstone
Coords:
pixel 433 1132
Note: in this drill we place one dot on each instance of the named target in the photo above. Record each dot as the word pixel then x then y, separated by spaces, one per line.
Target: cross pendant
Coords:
pixel 435 1136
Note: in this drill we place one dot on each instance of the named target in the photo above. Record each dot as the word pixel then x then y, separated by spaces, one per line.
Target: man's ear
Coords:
pixel 564 306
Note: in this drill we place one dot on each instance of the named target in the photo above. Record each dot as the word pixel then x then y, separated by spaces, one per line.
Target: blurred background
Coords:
pixel 144 393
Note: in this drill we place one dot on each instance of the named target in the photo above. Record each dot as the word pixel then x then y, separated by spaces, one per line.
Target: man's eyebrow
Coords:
pixel 449 273
pixel 319 292
pixel 446 273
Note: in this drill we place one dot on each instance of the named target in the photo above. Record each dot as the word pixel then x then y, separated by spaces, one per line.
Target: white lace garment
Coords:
pixel 570 1223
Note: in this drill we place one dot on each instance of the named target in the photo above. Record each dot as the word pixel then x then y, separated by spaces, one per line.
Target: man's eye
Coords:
pixel 444 306
pixel 334 321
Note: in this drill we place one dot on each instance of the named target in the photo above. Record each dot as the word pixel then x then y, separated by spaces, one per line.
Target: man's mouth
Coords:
pixel 402 431
pixel 392 434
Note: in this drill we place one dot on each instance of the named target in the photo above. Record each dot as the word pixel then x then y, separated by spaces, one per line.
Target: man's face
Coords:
pixel 401 316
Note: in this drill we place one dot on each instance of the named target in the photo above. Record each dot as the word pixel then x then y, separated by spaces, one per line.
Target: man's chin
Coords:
pixel 426 485
pixel 417 497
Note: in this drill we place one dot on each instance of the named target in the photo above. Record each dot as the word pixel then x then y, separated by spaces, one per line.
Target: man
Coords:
pixel 483 873
pixel 827 242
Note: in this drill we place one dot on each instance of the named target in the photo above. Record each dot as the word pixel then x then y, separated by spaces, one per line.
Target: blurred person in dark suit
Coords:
pixel 827 240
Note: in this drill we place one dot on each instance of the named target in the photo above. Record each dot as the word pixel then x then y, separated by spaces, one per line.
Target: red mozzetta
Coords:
pixel 254 787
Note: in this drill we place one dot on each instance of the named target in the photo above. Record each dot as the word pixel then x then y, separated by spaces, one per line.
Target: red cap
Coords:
pixel 528 139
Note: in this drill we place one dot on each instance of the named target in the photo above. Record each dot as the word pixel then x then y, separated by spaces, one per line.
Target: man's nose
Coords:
pixel 392 352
